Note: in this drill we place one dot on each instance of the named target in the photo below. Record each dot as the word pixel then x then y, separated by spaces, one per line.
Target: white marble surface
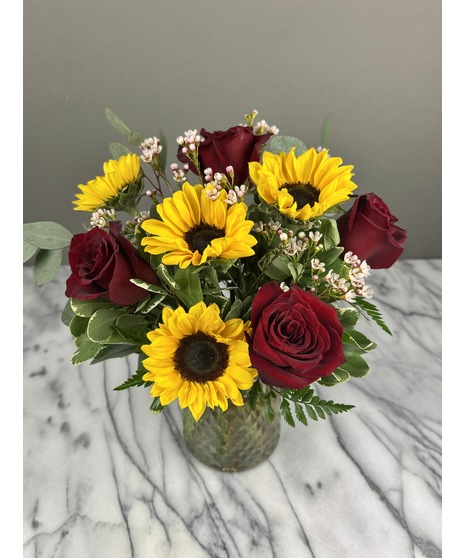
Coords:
pixel 103 477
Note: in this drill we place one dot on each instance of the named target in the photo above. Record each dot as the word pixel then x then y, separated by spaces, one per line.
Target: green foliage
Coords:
pixel 47 265
pixel 348 317
pixel 156 407
pixel 278 144
pixel 326 131
pixel 295 401
pixel 134 381
pixel 189 288
pixel 372 312
pixel 117 150
pixel 133 138
pixel 330 232
pixel 28 251
pixel 46 235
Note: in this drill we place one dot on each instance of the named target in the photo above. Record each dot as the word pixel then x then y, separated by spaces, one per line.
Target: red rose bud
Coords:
pixel 235 147
pixel 102 265
pixel 296 337
pixel 368 230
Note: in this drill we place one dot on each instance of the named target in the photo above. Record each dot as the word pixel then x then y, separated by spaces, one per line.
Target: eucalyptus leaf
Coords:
pixel 278 144
pixel 117 150
pixel 135 138
pixel 163 153
pixel 46 235
pixel 326 131
pixel 116 122
pixel 28 251
pixel 47 265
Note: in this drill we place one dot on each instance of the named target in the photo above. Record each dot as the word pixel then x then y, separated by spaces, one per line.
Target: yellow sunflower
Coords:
pixel 195 229
pixel 199 359
pixel 302 187
pixel 100 191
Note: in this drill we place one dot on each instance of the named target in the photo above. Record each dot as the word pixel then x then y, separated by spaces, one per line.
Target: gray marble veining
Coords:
pixel 103 477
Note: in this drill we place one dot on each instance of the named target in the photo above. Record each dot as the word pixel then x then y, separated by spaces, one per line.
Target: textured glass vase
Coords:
pixel 234 440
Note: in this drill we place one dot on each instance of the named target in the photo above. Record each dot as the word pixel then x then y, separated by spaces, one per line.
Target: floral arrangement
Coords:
pixel 240 270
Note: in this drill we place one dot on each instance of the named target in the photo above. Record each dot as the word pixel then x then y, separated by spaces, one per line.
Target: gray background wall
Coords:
pixel 375 65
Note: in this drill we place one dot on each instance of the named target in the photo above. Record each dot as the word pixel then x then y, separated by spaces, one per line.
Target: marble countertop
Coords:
pixel 104 477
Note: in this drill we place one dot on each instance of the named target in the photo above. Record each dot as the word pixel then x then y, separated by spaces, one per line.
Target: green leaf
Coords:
pixel 278 144
pixel 67 315
pixel 164 275
pixel 47 235
pixel 47 265
pixel 101 325
pixel 348 317
pixel 149 287
pixel 330 232
pixel 190 288
pixel 113 351
pixel 136 380
pixel 358 341
pixel 311 412
pixel 326 131
pixel 135 138
pixel 117 122
pixel 267 408
pixel 163 153
pixel 78 326
pixel 330 257
pixel 278 269
pixel 154 301
pixel 253 394
pixel 296 270
pixel 235 311
pixel 373 312
pixel 134 327
pixel 355 365
pixel 86 308
pixel 285 409
pixel 117 150
pixel 337 377
pixel 299 413
pixel 87 349
pixel 156 407
pixel 28 251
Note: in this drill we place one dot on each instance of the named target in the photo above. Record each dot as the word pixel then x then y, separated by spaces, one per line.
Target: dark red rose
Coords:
pixel 237 146
pixel 102 265
pixel 296 337
pixel 368 230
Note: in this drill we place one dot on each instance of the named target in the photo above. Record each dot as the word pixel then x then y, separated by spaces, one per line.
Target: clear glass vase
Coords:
pixel 235 440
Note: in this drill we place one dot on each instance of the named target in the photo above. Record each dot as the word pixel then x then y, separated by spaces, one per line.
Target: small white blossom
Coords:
pixel 284 287
pixel 274 225
pixel 316 264
pixel 101 217
pixel 315 236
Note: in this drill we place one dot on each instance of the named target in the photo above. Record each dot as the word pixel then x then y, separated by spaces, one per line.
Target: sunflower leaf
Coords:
pixel 190 288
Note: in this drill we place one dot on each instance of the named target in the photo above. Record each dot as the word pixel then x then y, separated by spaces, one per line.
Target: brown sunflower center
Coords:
pixel 302 193
pixel 200 358
pixel 200 236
